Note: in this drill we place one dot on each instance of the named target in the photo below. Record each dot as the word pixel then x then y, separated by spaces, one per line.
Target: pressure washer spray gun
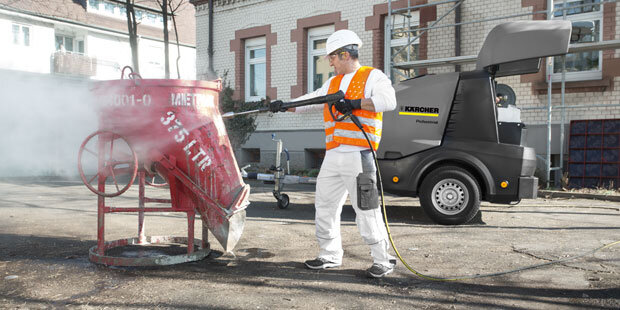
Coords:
pixel 330 99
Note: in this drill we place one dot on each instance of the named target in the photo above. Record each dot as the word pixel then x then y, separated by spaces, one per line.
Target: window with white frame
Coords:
pixel 21 35
pixel 255 69
pixel 319 70
pixel 589 18
pixel 402 45
pixel 68 43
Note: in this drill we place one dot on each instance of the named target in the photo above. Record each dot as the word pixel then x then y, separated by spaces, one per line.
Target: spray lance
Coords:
pixel 330 99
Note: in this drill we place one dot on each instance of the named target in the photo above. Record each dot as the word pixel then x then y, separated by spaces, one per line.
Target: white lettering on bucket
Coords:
pixel 205 162
pixel 130 100
pixel 179 137
pixel 181 132
pixel 189 145
pixel 191 100
pixel 206 159
pixel 201 158
pixel 168 119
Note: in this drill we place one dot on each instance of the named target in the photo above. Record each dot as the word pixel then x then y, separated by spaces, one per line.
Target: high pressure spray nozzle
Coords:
pixel 329 99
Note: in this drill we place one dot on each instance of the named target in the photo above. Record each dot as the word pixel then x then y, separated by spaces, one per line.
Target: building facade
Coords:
pixel 89 38
pixel 51 51
pixel 273 48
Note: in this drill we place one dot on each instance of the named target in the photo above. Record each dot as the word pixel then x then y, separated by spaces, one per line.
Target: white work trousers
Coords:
pixel 337 178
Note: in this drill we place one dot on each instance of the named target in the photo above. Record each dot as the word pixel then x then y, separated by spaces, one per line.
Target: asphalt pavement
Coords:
pixel 47 227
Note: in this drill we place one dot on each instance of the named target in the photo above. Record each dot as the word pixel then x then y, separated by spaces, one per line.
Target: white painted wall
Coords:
pixel 111 50
pixel 112 53
pixel 152 60
pixel 33 58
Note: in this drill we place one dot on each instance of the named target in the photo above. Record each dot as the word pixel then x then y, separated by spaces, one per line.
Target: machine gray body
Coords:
pixel 442 142
pixel 406 129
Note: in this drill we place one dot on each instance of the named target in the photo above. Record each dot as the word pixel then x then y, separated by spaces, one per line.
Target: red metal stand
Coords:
pixel 196 249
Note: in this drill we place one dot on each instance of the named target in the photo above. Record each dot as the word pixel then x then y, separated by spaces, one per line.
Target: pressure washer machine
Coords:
pixel 442 142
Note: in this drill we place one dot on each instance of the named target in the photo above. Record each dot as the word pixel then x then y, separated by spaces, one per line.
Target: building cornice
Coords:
pixel 220 3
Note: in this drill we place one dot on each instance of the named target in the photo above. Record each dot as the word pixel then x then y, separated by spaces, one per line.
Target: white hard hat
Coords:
pixel 341 38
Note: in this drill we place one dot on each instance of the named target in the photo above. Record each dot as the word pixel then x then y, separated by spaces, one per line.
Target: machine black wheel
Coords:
pixel 450 195
pixel 283 201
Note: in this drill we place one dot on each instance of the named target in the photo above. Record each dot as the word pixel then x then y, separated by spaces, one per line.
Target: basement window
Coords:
pixel 250 155
pixel 314 158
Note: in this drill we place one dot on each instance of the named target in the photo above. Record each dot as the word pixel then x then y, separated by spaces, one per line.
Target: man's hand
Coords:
pixel 276 106
pixel 345 106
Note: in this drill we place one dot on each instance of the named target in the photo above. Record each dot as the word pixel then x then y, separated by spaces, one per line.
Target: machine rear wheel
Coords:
pixel 450 195
pixel 105 154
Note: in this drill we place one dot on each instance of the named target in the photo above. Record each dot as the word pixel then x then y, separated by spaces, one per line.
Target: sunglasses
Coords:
pixel 335 53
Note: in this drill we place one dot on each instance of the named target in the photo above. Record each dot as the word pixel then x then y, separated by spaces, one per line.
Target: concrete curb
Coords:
pixel 559 194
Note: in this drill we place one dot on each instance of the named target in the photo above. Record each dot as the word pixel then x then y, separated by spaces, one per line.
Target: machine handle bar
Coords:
pixel 331 98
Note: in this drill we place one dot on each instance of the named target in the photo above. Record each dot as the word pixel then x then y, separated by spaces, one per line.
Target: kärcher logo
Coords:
pixel 419 111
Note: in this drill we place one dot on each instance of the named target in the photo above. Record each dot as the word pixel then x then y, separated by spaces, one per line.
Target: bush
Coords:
pixel 239 127
pixel 306 173
pixel 313 173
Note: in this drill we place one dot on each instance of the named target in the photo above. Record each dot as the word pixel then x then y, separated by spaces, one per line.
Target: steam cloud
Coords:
pixel 43 121
pixel 45 118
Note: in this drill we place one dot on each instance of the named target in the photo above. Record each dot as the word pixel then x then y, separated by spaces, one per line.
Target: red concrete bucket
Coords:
pixel 174 128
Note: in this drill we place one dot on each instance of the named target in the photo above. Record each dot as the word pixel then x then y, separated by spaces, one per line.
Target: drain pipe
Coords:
pixel 211 73
pixel 549 99
pixel 563 92
pixel 457 35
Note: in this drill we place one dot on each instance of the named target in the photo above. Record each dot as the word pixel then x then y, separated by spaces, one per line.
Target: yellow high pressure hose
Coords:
pixel 454 278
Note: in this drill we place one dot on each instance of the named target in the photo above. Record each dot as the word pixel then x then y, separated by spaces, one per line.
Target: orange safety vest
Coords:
pixel 345 131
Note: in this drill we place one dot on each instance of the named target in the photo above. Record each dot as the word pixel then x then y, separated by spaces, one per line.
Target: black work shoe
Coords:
pixel 320 263
pixel 378 271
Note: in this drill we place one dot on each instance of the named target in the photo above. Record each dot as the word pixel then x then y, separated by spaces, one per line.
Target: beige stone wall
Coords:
pixel 282 15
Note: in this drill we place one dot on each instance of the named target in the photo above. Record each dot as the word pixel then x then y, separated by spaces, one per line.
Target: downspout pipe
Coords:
pixel 457 36
pixel 549 103
pixel 211 73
